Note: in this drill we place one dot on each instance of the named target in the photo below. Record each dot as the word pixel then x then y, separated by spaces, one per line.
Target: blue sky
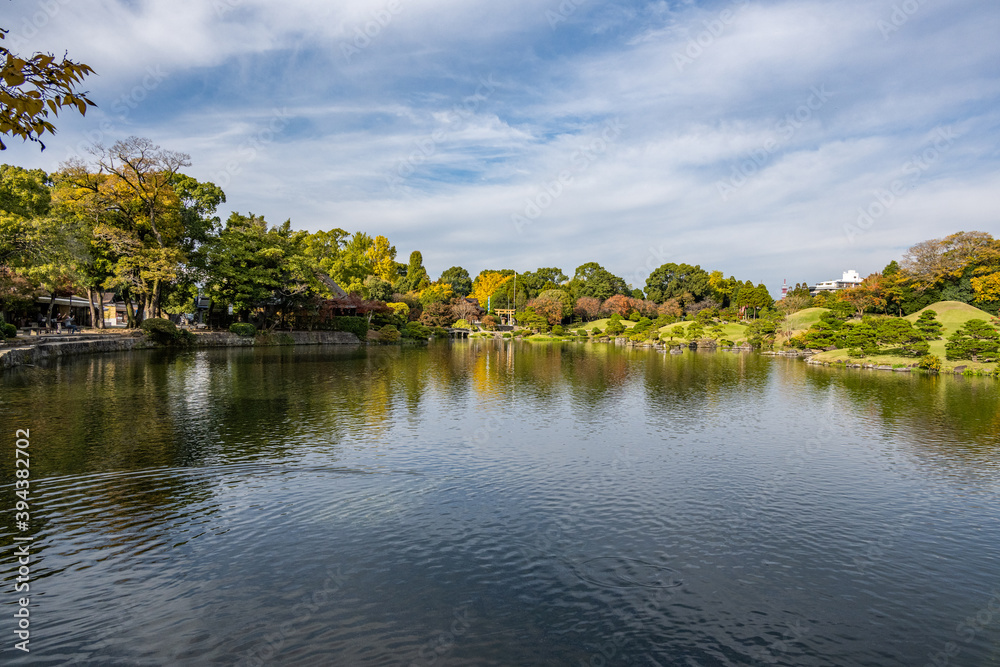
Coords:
pixel 767 139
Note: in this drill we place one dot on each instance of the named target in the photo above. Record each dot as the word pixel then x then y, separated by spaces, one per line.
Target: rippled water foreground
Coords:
pixel 478 503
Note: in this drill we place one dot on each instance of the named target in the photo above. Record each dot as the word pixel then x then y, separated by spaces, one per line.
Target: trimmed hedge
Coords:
pixel 244 329
pixel 355 325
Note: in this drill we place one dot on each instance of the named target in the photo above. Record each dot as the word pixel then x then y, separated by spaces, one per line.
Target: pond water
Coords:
pixel 493 503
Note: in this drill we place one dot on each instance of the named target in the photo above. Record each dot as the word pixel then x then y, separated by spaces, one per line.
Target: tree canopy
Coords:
pixel 33 87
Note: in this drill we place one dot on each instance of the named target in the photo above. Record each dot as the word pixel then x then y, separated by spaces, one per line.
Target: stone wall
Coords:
pixel 17 356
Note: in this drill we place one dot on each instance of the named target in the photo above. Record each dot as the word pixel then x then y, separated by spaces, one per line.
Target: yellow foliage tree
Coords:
pixel 987 288
pixel 383 259
pixel 436 292
pixel 486 283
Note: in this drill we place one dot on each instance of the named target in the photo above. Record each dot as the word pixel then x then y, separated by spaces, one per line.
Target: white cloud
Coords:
pixel 354 123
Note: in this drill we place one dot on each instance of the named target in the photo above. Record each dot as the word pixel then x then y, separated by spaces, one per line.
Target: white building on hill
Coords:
pixel 850 279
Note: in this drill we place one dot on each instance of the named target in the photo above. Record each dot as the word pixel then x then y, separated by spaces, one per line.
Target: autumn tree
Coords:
pixel 866 296
pixel 930 262
pixel 554 305
pixel 33 87
pixel 486 283
pixel 464 309
pixel 437 314
pixel 619 304
pixel 382 259
pixel 587 308
pixel 130 195
pixel 438 292
pixel 670 308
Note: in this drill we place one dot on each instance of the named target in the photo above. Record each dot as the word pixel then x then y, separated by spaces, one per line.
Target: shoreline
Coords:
pixel 27 355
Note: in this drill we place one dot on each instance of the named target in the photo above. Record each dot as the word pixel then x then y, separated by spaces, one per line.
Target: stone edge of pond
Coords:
pixel 28 355
pixel 957 370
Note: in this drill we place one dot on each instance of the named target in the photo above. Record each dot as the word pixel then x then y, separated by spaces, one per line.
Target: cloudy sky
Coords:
pixel 769 139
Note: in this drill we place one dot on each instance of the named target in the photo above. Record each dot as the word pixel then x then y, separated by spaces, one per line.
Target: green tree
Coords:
pixel 377 289
pixel 894 331
pixel 592 279
pixel 416 278
pixel 459 279
pixel 129 194
pixel 536 282
pixel 674 280
pixel 972 340
pixel 24 194
pixel 251 266
pixel 928 325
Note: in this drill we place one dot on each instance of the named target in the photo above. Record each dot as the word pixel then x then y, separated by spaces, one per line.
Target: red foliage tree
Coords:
pixel 621 304
pixel 670 308
pixel 587 308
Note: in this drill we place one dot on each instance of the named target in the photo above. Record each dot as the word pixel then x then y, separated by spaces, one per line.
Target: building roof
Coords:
pixel 331 285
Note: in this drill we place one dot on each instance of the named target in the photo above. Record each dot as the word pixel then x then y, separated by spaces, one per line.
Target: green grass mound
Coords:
pixel 805 318
pixel 601 324
pixel 730 331
pixel 952 314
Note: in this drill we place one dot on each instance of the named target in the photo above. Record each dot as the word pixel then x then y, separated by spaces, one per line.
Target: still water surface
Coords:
pixel 478 503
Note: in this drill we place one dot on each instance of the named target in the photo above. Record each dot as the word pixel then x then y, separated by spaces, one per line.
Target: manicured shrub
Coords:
pixel 243 329
pixel 930 362
pixel 389 334
pixel 162 331
pixel 557 330
pixel 973 339
pixel 355 325
pixel 416 331
pixel 8 330
pixel 615 327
